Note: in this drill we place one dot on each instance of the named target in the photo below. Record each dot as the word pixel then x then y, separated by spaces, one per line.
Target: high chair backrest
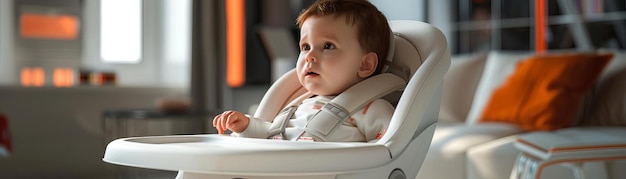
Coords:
pixel 424 49
pixel 420 56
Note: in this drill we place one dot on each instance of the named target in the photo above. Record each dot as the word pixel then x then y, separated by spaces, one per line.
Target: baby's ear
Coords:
pixel 368 65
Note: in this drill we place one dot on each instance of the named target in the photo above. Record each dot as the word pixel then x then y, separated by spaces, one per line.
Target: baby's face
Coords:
pixel 330 55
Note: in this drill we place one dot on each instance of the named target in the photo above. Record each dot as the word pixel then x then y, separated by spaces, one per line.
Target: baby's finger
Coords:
pixel 216 122
pixel 223 120
pixel 216 119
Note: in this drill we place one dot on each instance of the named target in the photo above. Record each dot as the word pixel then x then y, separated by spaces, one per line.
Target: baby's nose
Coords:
pixel 310 58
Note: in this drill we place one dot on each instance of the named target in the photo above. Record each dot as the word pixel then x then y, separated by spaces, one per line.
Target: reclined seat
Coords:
pixel 420 59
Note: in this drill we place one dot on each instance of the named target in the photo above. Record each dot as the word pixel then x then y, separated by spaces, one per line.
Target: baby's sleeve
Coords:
pixel 257 128
pixel 376 118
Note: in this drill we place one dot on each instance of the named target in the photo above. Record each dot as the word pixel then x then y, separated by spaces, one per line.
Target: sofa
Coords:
pixel 465 146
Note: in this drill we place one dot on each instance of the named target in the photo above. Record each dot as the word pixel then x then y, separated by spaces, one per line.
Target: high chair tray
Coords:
pixel 222 154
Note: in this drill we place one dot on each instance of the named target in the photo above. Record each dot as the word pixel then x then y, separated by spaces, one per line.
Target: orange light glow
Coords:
pixel 235 43
pixel 33 77
pixel 63 77
pixel 540 21
pixel 25 77
pixel 96 79
pixel 48 26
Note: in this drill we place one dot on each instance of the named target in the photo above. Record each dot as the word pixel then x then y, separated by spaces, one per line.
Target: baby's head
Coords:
pixel 342 42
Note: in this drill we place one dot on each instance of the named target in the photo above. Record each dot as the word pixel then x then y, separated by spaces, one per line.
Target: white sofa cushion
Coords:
pixel 450 143
pixel 616 65
pixel 609 106
pixel 459 86
pixel 498 67
pixel 492 160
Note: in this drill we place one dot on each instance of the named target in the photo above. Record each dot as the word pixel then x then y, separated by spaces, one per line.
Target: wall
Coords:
pixel 402 9
pixel 440 17
pixel 6 65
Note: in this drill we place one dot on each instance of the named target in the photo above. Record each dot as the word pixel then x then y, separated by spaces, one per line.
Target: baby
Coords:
pixel 342 43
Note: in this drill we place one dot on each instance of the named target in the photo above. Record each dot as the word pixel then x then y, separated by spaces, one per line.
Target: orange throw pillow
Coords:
pixel 544 91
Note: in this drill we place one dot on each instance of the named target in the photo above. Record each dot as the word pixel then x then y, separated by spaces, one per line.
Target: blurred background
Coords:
pixel 76 74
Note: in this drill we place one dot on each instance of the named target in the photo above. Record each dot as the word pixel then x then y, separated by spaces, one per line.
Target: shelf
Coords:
pixel 606 17
pixel 510 25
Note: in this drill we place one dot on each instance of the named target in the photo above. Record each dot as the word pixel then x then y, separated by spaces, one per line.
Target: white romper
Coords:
pixel 366 125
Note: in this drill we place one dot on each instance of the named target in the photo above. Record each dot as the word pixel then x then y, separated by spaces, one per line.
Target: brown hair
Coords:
pixel 372 28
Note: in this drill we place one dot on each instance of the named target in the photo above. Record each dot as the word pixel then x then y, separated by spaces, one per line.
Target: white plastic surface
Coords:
pixel 223 154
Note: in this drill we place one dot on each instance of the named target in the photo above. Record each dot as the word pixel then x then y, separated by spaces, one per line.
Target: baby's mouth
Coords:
pixel 311 74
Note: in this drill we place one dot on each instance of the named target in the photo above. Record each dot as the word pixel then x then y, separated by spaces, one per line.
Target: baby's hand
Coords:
pixel 231 120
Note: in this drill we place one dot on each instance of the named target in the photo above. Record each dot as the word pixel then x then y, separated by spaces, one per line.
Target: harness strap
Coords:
pixel 339 109
pixel 282 118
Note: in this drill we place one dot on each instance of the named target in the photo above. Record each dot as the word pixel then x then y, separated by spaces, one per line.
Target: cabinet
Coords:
pixel 481 25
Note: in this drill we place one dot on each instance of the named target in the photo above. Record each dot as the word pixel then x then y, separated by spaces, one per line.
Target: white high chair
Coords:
pixel 421 55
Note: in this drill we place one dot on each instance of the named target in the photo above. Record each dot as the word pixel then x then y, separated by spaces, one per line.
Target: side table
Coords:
pixel 570 147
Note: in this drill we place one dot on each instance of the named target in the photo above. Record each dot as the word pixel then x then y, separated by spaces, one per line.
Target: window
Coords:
pixel 120 31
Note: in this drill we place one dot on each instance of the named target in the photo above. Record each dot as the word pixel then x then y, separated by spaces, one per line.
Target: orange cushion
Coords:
pixel 544 91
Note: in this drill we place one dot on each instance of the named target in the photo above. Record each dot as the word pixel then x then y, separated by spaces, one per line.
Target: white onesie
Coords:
pixel 366 125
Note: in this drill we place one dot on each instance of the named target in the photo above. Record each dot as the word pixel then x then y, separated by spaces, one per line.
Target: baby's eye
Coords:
pixel 329 45
pixel 305 47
